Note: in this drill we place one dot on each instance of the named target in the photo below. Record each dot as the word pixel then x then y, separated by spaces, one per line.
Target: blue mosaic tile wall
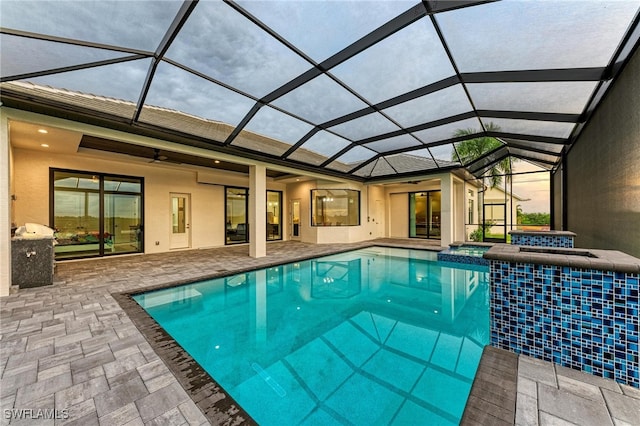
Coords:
pixel 580 318
pixel 565 241
pixel 447 256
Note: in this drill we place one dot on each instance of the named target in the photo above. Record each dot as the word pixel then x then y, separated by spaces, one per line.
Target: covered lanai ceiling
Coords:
pixel 361 89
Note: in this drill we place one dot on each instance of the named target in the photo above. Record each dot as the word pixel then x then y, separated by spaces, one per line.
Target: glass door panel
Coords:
pixel 180 218
pixel 274 215
pixel 77 221
pixel 76 214
pixel 295 219
pixel 122 223
pixel 434 214
pixel 418 215
pixel 424 214
pixel 237 230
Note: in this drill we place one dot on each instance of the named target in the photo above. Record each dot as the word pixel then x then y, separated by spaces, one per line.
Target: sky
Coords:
pixel 227 62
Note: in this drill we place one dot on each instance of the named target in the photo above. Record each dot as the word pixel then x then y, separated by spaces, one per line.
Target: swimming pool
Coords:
pixel 373 336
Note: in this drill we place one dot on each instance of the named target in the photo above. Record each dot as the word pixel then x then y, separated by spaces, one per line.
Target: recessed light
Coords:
pixel 216 161
pixel 43 131
pixel 44 145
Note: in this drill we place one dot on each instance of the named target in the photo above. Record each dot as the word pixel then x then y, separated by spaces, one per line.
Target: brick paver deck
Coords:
pixel 72 348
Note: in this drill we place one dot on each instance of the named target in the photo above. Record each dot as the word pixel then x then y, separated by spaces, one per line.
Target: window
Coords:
pixel 335 207
pixel 96 214
pixel 236 210
pixel 274 215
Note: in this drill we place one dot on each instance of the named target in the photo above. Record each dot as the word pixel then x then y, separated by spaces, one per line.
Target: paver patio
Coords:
pixel 70 347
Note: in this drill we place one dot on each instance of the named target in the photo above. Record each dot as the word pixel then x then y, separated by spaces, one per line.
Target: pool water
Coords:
pixel 372 336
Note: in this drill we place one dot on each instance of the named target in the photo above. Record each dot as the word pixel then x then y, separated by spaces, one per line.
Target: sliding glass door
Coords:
pixel 424 214
pixel 237 208
pixel 96 214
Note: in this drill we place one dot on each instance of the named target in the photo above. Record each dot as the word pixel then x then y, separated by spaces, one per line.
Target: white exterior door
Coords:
pixel 180 221
pixel 378 219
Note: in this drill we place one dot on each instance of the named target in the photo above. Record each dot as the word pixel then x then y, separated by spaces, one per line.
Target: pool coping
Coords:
pixel 492 400
pixel 217 405
pixel 598 259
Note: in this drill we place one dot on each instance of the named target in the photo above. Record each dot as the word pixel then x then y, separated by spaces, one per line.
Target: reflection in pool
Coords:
pixel 373 336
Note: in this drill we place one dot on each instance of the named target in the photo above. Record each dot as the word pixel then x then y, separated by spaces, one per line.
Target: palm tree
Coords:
pixel 472 149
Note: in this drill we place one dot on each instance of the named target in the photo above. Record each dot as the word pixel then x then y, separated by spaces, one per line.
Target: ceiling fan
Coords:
pixel 157 157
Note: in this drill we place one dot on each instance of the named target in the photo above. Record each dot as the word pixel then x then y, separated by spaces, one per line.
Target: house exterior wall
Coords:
pixel 603 170
pixel 207 201
pixel 28 174
pixel 6 189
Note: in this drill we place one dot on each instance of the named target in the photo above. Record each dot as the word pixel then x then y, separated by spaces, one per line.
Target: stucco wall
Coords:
pixel 603 171
pixel 31 185
pixel 337 234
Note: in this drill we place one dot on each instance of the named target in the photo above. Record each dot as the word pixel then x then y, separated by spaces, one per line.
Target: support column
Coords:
pixel 446 210
pixel 5 209
pixel 257 211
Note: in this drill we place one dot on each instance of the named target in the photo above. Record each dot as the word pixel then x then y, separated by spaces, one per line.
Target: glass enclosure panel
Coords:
pixel 532 127
pixel 236 212
pixel 382 167
pixel 519 35
pixel 53 55
pixel 412 161
pixel 137 24
pixel 335 207
pixel 321 29
pixel 272 132
pixel 555 148
pixel 390 144
pixel 274 215
pixel 407 60
pixel 494 222
pixel 100 81
pixel 351 159
pixel 434 106
pixel 197 96
pixel 472 149
pixel 448 131
pixel 445 155
pixel 568 97
pixel 369 125
pixel 532 198
pixel 424 214
pixel 221 43
pixel 543 158
pixel 319 148
pixel 320 100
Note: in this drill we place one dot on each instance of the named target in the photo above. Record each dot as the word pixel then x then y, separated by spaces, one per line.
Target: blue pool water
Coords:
pixel 372 336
